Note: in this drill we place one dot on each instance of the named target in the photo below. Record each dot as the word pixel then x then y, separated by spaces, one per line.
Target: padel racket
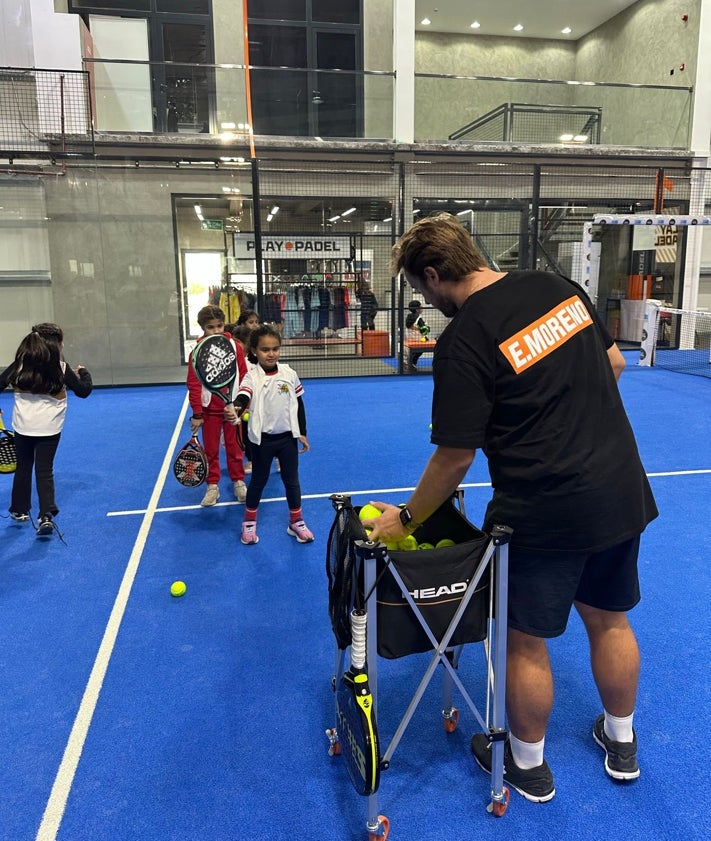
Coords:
pixel 8 451
pixel 357 729
pixel 190 465
pixel 215 362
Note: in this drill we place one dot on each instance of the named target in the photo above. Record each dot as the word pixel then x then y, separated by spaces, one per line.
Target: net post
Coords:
pixel 649 333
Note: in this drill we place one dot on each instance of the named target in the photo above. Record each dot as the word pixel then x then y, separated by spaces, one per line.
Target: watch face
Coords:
pixel 405 516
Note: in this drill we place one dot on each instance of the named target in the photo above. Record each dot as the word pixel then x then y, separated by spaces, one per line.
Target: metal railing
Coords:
pixel 648 116
pixel 47 112
pixel 517 122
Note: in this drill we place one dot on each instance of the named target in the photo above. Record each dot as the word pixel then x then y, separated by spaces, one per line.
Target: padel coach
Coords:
pixel 526 372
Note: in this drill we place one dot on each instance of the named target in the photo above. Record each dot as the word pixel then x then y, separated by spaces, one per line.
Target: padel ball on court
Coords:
pixel 444 542
pixel 177 589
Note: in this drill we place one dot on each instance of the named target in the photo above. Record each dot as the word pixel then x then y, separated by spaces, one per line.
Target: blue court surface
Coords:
pixel 129 714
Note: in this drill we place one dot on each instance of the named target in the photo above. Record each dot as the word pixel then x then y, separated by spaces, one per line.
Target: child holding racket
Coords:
pixel 40 379
pixel 277 422
pixel 209 413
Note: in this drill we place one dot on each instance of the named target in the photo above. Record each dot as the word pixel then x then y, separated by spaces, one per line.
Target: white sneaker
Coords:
pixel 240 491
pixel 212 494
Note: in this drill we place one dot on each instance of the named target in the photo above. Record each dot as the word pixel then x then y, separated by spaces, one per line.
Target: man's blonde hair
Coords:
pixel 439 241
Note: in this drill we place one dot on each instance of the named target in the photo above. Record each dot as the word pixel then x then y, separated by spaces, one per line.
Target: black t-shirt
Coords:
pixel 522 373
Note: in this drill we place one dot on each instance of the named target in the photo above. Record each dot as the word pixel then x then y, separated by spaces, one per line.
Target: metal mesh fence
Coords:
pixel 45 113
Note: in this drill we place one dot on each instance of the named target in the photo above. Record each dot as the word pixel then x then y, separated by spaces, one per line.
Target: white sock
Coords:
pixel 527 754
pixel 618 729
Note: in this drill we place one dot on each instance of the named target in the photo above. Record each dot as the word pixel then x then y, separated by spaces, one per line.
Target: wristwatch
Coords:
pixel 407 519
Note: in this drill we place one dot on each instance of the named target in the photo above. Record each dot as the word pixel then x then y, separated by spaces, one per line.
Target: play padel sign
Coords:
pixel 295 248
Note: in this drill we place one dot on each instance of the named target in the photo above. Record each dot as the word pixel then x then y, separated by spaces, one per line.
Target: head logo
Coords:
pixel 289 246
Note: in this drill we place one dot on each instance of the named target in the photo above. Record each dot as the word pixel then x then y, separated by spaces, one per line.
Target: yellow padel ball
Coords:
pixel 177 589
pixel 369 512
pixel 444 542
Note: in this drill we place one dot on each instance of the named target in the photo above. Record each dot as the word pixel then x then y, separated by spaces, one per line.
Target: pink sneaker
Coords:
pixel 249 532
pixel 300 531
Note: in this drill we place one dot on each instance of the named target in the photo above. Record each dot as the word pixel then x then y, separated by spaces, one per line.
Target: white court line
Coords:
pixel 54 811
pixel 371 494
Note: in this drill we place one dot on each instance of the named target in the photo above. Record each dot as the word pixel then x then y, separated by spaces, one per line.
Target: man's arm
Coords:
pixel 445 470
pixel 617 360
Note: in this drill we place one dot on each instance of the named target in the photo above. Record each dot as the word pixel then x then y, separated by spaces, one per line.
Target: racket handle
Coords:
pixel 359 624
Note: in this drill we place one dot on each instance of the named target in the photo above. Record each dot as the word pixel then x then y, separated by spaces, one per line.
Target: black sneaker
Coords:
pixel 620 757
pixel 45 526
pixel 19 518
pixel 535 784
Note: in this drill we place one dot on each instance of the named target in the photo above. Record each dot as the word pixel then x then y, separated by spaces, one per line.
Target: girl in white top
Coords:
pixel 277 423
pixel 40 379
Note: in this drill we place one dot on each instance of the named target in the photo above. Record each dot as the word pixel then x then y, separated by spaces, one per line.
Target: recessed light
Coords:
pixel 580 138
pixel 475 25
pixel 518 27
pixel 566 31
pixel 565 138
pixel 425 21
pixel 349 211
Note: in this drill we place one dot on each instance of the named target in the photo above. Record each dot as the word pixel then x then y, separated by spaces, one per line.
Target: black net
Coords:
pixel 341 567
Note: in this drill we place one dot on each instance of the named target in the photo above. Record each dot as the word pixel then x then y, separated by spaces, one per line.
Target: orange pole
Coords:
pixel 247 81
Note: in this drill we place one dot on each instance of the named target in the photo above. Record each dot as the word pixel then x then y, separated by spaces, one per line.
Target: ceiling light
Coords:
pixel 566 31
pixel 269 217
pixel 475 25
pixel 198 211
pixel 334 218
pixel 565 138
pixel 580 138
pixel 425 21
pixel 226 126
pixel 390 218
pixel 349 211
pixel 518 27
pixel 464 212
pixel 416 210
pixel 274 210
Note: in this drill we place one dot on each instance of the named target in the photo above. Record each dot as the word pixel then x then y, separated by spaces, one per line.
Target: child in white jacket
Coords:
pixel 277 423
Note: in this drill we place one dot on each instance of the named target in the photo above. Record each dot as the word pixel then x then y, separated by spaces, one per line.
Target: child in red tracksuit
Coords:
pixel 209 413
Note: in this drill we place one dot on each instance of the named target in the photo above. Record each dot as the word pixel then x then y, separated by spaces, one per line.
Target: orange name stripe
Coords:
pixel 547 333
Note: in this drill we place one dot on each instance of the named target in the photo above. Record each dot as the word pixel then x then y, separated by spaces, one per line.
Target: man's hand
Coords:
pixel 387 528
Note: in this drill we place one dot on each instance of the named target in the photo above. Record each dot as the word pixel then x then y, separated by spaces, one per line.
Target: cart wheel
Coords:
pixel 498 807
pixel 384 824
pixel 451 720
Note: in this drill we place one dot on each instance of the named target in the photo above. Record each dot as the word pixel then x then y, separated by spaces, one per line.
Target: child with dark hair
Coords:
pixel 250 318
pixel 277 422
pixel 40 379
pixel 209 413
pixel 418 328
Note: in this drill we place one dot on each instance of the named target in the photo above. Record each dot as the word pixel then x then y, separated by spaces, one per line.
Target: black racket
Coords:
pixel 8 451
pixel 357 729
pixel 190 465
pixel 215 363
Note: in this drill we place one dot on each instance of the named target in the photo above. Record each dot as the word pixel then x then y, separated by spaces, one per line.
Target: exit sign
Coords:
pixel 211 224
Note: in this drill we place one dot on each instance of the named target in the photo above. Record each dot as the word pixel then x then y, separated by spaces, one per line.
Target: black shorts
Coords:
pixel 542 588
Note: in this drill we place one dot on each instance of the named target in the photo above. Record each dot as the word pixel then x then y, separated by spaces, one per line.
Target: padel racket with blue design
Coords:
pixel 356 726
